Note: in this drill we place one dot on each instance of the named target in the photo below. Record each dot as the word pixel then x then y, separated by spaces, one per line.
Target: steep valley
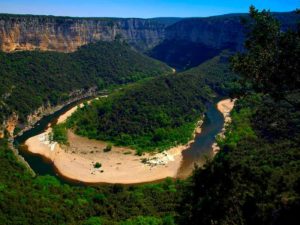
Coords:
pixel 180 42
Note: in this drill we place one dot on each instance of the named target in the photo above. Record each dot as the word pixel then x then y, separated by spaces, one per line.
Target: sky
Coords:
pixel 141 8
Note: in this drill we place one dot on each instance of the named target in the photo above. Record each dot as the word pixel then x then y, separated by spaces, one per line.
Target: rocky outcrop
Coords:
pixel 11 124
pixel 12 121
pixel 66 34
pixel 48 109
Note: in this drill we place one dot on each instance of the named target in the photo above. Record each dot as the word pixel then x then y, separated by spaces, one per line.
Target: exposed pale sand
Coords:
pixel 225 107
pixel 62 118
pixel 120 165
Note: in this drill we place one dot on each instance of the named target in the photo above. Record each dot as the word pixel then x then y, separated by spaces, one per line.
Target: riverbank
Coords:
pixel 225 107
pixel 84 160
pixel 120 165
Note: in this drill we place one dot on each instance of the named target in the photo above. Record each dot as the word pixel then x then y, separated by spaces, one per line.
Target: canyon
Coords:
pixel 180 42
pixel 66 34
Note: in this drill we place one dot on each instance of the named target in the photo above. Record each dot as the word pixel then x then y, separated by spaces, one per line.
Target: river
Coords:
pixel 196 154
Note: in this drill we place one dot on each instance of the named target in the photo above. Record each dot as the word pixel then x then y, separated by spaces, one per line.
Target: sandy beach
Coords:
pixel 225 107
pixel 120 165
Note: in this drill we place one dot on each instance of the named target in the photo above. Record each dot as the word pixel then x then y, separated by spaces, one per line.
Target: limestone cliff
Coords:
pixel 192 41
pixel 12 121
pixel 66 34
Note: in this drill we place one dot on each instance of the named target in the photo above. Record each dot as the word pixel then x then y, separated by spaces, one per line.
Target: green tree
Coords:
pixel 271 61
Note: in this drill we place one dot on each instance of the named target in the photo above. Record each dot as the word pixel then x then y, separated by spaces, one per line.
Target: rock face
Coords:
pixel 217 32
pixel 190 42
pixel 13 120
pixel 66 34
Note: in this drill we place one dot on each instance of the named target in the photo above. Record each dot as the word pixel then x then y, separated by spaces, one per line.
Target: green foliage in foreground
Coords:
pixel 59 134
pixel 147 116
pixel 271 61
pixel 240 128
pixel 140 220
pixel 255 178
pixel 29 80
pixel 44 200
pixel 252 180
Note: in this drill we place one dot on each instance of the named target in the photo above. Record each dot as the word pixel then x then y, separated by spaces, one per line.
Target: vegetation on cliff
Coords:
pixel 29 80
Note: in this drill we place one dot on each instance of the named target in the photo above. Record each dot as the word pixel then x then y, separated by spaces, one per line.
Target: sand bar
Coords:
pixel 120 165
pixel 225 107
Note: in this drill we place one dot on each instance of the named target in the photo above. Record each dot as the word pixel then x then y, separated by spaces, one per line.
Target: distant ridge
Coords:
pixel 195 39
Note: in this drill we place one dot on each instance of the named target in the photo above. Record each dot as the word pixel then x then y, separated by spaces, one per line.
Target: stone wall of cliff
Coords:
pixel 216 32
pixel 66 34
pixel 221 32
pixel 12 121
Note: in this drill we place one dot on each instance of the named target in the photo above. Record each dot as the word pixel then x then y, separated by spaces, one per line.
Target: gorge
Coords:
pixel 196 39
pixel 163 121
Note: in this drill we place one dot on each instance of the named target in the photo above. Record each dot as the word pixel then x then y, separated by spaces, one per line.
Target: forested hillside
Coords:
pixel 152 115
pixel 255 177
pixel 29 80
pixel 217 74
pixel 159 113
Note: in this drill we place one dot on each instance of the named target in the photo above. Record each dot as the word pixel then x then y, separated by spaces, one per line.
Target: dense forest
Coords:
pixel 159 113
pixel 151 115
pixel 44 200
pixel 218 75
pixel 254 179
pixel 29 80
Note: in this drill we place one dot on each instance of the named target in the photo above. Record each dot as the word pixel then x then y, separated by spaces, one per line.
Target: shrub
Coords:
pixel 97 165
pixel 108 148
